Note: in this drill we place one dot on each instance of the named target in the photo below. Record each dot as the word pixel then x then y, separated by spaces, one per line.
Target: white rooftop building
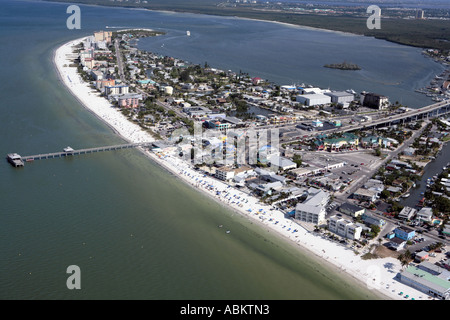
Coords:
pixel 313 209
pixel 344 228
pixel 313 99
pixel 425 214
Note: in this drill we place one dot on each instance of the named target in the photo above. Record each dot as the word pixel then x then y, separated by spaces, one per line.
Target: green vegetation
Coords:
pixel 343 66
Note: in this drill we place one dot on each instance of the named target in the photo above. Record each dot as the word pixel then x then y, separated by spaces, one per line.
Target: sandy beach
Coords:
pixel 377 274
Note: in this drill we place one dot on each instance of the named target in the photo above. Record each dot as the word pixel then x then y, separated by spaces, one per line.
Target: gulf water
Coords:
pixel 135 230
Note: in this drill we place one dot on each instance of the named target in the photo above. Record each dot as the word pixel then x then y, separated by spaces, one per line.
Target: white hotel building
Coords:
pixel 313 209
pixel 344 228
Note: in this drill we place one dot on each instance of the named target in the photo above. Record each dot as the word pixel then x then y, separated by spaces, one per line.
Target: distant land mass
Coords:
pixel 343 66
pixel 423 33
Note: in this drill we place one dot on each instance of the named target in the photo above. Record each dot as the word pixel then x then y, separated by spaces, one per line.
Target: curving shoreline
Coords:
pixel 378 274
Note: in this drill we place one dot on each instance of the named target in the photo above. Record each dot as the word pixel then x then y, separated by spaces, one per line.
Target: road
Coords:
pixel 144 94
pixel 368 174
pixel 119 61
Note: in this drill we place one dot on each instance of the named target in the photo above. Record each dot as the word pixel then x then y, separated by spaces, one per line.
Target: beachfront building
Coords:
pixel 224 173
pixel 227 173
pixel 103 36
pixel 116 90
pixel 396 243
pixel 344 228
pixel 427 278
pixel 101 84
pixel 130 100
pixel 351 209
pixel 313 209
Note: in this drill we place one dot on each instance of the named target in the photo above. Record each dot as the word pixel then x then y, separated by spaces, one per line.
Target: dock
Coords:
pixel 18 161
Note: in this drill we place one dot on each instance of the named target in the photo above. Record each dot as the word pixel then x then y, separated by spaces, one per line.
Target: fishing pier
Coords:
pixel 17 160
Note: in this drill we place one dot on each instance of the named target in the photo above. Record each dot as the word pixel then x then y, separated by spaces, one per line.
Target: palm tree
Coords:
pixel 405 258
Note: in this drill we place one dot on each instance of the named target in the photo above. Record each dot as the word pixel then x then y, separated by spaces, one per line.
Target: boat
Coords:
pixel 406 195
pixel 68 149
pixel 188 33
pixel 228 231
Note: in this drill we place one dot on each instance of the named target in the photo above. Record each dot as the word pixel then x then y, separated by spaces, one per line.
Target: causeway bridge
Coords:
pixel 431 111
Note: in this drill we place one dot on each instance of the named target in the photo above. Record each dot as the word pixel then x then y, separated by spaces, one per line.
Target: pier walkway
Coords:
pixel 71 152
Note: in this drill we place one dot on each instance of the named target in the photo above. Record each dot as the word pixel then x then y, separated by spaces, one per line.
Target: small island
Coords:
pixel 343 66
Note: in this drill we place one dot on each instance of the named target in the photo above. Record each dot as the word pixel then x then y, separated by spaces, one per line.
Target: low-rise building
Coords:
pixel 130 100
pixel 313 99
pixel 116 90
pixel 427 278
pixel 313 209
pixel 342 97
pixel 365 195
pixel 373 100
pixel 370 219
pixel 407 213
pixel 421 256
pixel 196 111
pixel 224 173
pixel 404 233
pixel 397 243
pixel 281 163
pixel 344 228
pixel 351 209
pixel 425 214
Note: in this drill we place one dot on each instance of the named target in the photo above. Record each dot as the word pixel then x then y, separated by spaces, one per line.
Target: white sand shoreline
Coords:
pixel 377 274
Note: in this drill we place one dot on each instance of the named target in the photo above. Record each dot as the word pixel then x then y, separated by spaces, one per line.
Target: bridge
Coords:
pixel 71 152
pixel 431 111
